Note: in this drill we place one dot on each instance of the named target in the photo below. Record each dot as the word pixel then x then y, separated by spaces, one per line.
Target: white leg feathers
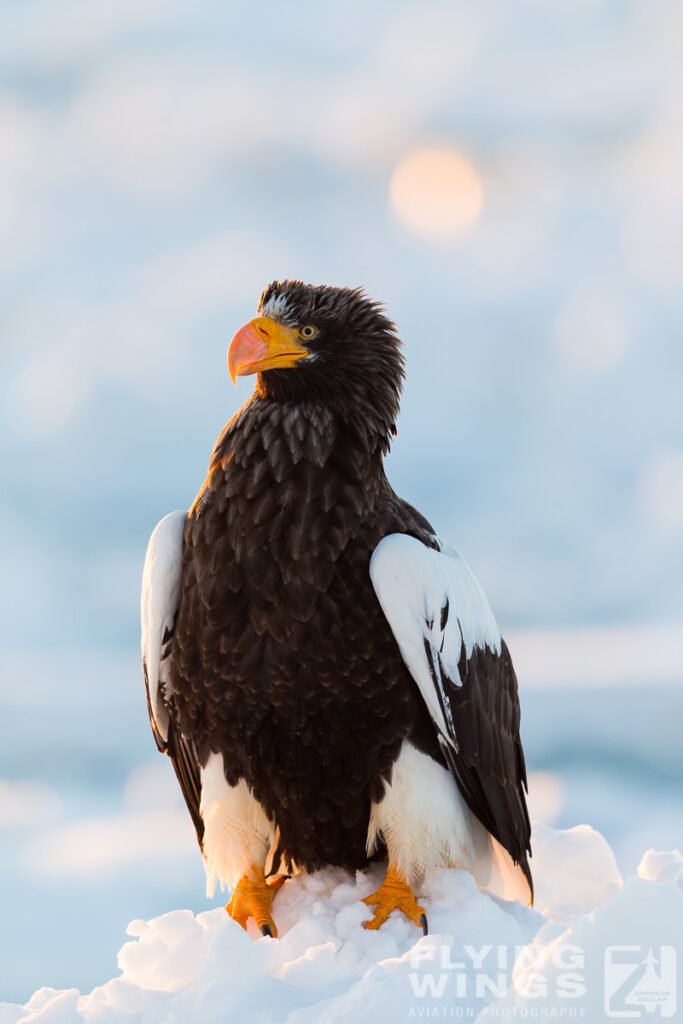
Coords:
pixel 422 817
pixel 426 823
pixel 237 833
pixel 424 820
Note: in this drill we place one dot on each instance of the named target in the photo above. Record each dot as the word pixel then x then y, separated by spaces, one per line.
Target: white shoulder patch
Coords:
pixel 161 582
pixel 435 607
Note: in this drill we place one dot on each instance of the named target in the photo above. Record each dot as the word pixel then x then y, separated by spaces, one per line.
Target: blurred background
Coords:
pixel 508 179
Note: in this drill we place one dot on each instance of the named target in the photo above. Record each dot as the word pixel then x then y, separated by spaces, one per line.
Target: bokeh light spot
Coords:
pixel 437 193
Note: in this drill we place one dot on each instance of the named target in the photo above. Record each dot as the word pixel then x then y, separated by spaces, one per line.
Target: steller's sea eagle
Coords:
pixel 324 672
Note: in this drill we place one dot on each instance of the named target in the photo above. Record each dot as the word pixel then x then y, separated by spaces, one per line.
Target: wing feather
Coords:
pixel 161 585
pixel 161 590
pixel 451 644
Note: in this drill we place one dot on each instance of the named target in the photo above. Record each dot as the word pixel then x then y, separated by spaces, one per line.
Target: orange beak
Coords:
pixel 263 344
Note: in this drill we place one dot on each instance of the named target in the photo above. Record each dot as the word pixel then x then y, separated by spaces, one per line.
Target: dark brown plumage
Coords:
pixel 282 658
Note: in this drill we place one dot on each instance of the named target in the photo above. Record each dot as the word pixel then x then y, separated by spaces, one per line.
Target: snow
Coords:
pixel 483 958
pixel 559 857
pixel 662 867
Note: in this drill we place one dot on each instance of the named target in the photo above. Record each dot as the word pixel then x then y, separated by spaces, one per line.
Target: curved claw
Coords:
pixel 275 882
pixel 253 897
pixel 394 894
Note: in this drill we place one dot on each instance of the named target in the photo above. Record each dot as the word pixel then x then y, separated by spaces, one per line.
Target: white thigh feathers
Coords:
pixel 237 832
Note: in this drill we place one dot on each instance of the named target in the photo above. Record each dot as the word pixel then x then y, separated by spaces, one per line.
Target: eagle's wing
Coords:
pixel 161 588
pixel 161 584
pixel 451 644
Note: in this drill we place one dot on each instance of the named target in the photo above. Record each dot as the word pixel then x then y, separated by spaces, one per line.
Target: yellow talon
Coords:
pixel 253 897
pixel 395 894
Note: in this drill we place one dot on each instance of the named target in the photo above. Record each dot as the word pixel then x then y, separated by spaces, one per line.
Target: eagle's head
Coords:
pixel 329 345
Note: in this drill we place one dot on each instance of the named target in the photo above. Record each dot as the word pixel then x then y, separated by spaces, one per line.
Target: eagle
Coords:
pixel 324 672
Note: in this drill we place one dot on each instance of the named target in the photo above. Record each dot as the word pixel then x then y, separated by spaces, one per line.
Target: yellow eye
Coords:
pixel 308 332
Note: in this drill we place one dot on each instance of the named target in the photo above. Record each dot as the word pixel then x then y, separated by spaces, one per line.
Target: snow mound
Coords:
pixel 662 867
pixel 574 870
pixel 483 957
